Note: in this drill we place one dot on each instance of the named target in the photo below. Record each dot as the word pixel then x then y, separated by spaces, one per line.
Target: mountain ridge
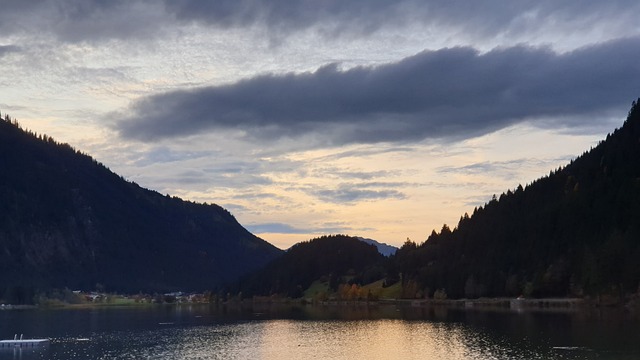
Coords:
pixel 575 232
pixel 68 221
pixel 383 248
pixel 332 258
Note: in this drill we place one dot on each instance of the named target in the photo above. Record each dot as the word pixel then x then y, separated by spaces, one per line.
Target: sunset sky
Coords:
pixel 376 118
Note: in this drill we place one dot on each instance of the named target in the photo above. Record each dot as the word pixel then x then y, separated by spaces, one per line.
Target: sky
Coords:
pixel 377 118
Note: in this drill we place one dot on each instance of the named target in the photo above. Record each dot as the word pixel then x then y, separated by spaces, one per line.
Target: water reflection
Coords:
pixel 332 332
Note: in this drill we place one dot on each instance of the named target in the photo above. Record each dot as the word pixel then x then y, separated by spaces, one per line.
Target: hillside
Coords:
pixel 575 232
pixel 335 259
pixel 384 249
pixel 68 221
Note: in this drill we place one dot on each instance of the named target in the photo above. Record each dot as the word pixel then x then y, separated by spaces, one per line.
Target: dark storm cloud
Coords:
pixel 89 20
pixel 446 94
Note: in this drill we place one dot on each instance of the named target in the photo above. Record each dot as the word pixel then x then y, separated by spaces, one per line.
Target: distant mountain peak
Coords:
pixel 384 249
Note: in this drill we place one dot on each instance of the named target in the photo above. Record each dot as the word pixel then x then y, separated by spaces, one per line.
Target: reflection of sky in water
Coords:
pixel 172 333
pixel 292 339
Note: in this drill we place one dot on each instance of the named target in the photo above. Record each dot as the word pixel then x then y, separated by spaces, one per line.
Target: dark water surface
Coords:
pixel 316 332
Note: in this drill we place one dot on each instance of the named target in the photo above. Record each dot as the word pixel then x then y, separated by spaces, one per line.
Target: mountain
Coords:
pixel 332 258
pixel 384 249
pixel 68 221
pixel 575 232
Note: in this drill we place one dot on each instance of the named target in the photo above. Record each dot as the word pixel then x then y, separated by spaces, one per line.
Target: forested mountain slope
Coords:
pixel 335 258
pixel 68 221
pixel 574 232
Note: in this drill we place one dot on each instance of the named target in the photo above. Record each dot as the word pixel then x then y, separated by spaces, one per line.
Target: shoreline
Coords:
pixel 507 304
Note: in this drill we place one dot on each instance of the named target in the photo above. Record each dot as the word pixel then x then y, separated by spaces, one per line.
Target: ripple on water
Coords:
pixel 313 339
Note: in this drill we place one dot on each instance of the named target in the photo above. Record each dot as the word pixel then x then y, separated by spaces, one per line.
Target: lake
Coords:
pixel 317 332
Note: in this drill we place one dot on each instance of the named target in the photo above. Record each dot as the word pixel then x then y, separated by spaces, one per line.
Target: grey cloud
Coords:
pixel 477 201
pixel 238 180
pixel 4 107
pixel 489 166
pixel 352 193
pixel 504 169
pixel 207 179
pixel 89 20
pixel 163 154
pixel 95 75
pixel 231 181
pixel 361 153
pixel 84 20
pixel 236 208
pixel 281 15
pixel 275 228
pixel 326 228
pixel 8 49
pixel 258 195
pixel 450 93
pixel 95 20
pixel 487 17
pixel 191 177
pixel 335 172
pixel 388 184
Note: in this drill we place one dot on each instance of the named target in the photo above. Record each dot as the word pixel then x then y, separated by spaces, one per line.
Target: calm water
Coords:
pixel 383 332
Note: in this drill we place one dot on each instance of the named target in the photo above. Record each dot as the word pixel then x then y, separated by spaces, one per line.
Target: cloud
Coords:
pixel 283 15
pixel 352 193
pixel 163 154
pixel 368 152
pixel 488 18
pixel 83 20
pixel 450 93
pixel 222 180
pixel 95 20
pixel 477 201
pixel 7 49
pixel 279 228
pixel 505 167
pixel 338 173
